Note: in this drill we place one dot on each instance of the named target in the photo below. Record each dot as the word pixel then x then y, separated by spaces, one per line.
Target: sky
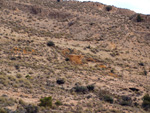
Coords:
pixel 139 6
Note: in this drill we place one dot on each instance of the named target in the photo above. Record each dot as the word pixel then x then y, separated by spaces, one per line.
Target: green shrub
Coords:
pixel 109 99
pixel 60 81
pixel 50 43
pixel 108 8
pixel 58 103
pixel 80 89
pixel 90 87
pixel 146 102
pixel 139 18
pixel 46 102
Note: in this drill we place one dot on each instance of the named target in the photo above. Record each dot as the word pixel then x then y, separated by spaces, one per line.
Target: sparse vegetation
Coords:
pixel 90 87
pixel 5 101
pixel 146 102
pixel 109 99
pixel 32 109
pixel 58 103
pixel 106 96
pixel 81 89
pixel 46 102
pixel 13 81
pixel 19 76
pixel 2 110
pixel 21 102
pixel 125 101
pixel 85 55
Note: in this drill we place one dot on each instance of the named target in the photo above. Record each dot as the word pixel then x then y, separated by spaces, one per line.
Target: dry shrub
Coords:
pixel 70 56
pixel 18 50
pixel 102 66
pixel 65 52
pixel 76 59
pixel 113 75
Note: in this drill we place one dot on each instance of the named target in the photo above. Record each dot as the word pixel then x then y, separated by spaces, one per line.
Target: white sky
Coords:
pixel 139 6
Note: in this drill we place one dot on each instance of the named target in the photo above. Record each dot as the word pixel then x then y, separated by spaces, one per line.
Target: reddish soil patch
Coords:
pixel 77 59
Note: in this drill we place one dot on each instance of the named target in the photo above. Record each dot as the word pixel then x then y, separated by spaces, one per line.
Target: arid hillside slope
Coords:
pixel 88 57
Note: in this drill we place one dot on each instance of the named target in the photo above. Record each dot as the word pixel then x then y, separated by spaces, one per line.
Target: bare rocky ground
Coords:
pixel 107 50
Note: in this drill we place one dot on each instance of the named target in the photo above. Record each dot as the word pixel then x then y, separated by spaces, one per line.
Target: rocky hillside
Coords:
pixel 73 57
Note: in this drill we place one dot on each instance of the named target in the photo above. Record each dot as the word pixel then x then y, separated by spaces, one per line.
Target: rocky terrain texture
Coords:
pixel 88 57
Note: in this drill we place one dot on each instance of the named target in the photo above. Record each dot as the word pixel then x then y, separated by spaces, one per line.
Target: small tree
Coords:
pixel 108 8
pixel 139 18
